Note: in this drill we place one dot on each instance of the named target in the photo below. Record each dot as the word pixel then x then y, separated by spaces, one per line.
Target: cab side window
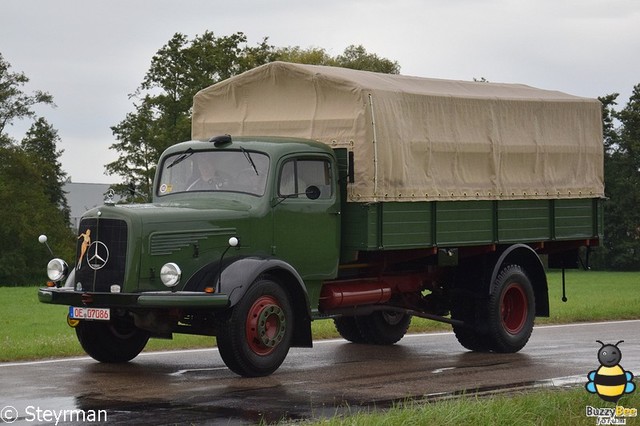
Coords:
pixel 297 175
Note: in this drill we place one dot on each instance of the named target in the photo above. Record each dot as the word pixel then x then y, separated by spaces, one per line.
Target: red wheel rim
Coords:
pixel 514 308
pixel 266 325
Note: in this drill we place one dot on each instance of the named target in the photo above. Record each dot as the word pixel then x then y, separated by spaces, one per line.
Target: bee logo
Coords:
pixel 610 381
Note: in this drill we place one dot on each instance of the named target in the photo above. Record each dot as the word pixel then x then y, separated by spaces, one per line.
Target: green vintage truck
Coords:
pixel 353 196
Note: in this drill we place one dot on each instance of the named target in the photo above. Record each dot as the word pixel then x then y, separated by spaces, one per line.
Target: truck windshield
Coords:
pixel 228 171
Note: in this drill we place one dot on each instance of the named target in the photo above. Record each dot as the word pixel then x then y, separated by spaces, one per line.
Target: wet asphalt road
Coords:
pixel 194 387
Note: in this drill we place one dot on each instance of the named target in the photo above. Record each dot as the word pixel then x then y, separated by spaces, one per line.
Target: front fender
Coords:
pixel 237 277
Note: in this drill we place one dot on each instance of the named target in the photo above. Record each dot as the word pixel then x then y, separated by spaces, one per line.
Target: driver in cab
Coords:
pixel 208 180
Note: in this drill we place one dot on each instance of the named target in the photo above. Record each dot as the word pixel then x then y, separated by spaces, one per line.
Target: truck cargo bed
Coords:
pixel 398 225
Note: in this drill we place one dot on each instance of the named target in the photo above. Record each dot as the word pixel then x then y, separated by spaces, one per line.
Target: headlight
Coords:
pixel 170 274
pixel 57 270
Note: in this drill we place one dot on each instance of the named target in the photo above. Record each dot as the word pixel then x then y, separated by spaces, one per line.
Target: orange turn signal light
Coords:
pixel 51 284
pixel 209 290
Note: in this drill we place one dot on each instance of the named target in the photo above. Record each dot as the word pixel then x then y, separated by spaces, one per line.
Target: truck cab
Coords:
pixel 227 215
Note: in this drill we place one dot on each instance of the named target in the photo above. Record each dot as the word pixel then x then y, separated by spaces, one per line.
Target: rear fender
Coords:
pixel 528 259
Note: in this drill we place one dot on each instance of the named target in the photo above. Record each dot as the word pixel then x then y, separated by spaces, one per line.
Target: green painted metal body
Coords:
pixel 411 225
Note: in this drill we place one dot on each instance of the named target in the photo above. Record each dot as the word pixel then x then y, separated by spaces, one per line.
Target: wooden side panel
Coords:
pixel 525 220
pixel 405 225
pixel 464 223
pixel 574 219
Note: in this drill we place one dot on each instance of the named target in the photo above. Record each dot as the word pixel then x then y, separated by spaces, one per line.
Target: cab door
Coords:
pixel 306 212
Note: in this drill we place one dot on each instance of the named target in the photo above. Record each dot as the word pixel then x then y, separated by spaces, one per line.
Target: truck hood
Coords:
pixel 188 232
pixel 183 211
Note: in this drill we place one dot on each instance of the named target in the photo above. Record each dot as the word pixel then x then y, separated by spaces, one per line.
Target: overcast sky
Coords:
pixel 91 54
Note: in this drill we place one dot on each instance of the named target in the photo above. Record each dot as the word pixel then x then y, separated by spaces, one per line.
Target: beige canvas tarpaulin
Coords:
pixel 417 139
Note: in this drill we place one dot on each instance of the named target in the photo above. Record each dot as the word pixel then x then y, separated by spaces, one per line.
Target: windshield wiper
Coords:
pixel 188 153
pixel 250 160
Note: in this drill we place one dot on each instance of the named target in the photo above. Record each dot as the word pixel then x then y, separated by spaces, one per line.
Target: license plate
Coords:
pixel 99 314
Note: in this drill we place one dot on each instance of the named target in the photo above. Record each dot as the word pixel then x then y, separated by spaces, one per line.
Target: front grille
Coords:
pixel 101 251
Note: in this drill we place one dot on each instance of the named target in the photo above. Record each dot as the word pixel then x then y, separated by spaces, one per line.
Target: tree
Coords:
pixel 31 180
pixel 310 56
pixel 139 147
pixel 14 103
pixel 354 57
pixel 621 245
pixel 40 145
pixel 357 58
pixel 26 213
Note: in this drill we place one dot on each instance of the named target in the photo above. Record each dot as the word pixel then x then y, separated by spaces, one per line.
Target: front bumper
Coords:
pixel 155 299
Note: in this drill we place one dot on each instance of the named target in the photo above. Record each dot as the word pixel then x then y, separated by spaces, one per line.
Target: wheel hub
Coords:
pixel 513 309
pixel 266 325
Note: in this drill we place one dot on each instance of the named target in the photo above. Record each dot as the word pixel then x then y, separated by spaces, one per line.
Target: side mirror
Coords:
pixel 312 192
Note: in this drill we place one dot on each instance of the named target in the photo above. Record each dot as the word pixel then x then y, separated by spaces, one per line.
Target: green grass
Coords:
pixel 541 407
pixel 593 296
pixel 32 330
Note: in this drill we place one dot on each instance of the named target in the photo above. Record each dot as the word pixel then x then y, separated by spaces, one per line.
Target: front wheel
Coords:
pixel 255 339
pixel 511 310
pixel 111 342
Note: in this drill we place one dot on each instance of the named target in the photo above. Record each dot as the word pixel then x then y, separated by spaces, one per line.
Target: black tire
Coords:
pixel 511 310
pixel 111 341
pixel 383 327
pixel 256 337
pixel 348 329
pixel 470 336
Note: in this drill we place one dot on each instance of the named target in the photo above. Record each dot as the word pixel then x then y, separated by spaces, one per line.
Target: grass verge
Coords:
pixel 540 407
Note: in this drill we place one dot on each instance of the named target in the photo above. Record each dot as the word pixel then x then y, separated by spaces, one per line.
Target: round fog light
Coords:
pixel 57 270
pixel 170 274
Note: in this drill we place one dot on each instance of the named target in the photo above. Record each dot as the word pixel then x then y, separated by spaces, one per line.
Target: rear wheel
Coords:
pixel 511 310
pixel 348 329
pixel 255 339
pixel 113 341
pixel 383 327
pixel 468 304
pixel 469 335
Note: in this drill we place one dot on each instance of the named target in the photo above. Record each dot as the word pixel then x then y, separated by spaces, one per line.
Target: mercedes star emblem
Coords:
pixel 97 255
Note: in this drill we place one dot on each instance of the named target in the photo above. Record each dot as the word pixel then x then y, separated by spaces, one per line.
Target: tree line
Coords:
pixel 32 200
pixel 32 178
pixel 620 248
